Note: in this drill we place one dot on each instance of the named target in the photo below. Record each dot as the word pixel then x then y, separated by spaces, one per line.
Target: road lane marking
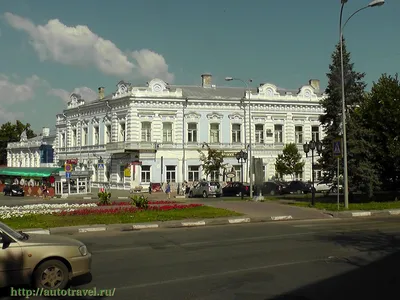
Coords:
pixel 91 229
pixel 144 226
pixel 281 218
pixel 361 214
pixel 225 273
pixel 236 221
pixel 190 224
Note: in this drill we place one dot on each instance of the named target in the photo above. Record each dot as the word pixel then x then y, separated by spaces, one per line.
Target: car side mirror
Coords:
pixel 5 240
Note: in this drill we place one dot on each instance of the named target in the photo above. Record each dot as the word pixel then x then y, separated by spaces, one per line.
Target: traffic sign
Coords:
pixel 67 175
pixel 68 168
pixel 100 166
pixel 337 148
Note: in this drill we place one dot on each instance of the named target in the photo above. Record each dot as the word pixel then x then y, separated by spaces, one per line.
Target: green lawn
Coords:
pixel 352 206
pixel 49 221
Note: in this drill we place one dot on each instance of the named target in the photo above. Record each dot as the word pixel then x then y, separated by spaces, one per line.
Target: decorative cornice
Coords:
pixel 214 116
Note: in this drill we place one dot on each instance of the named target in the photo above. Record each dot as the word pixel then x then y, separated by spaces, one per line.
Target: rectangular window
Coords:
pixel 74 138
pixel 315 133
pixel 278 133
pixel 192 132
pixel 84 136
pixel 96 139
pixel 299 176
pixel 238 172
pixel 265 172
pixel 214 176
pixel 146 131
pixel 259 133
pixel 194 173
pixel 121 173
pixel 171 173
pixel 167 132
pixel 122 132
pixel 236 133
pixel 298 134
pixel 214 133
pixel 108 134
pixel 145 174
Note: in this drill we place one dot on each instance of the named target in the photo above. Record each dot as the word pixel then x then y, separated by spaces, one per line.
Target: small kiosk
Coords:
pixel 73 183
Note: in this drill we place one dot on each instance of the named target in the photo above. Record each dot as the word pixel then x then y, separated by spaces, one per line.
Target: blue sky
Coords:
pixel 51 48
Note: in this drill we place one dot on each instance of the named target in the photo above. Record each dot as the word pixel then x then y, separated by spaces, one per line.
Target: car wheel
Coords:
pixel 334 190
pixel 190 194
pixel 205 194
pixel 218 195
pixel 51 275
pixel 272 193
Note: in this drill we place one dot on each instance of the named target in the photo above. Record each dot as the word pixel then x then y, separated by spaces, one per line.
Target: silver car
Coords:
pixel 205 189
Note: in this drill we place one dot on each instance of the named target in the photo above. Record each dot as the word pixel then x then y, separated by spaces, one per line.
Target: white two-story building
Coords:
pixel 37 152
pixel 151 133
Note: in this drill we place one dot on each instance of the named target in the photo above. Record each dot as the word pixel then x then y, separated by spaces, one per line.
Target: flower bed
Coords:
pixel 8 212
pixel 124 210
pixel 124 203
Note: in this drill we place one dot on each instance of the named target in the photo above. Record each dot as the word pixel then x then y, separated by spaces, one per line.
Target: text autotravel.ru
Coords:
pixel 94 292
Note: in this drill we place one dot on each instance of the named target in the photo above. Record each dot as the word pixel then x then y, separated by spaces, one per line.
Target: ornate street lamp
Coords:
pixel 241 157
pixel 312 145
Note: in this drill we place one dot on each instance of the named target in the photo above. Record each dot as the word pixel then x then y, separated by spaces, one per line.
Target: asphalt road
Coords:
pixel 329 259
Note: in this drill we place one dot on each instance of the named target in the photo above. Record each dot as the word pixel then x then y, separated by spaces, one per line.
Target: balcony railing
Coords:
pixel 29 144
pixel 119 147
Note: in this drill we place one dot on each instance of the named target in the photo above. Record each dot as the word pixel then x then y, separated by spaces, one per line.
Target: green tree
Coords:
pixel 212 161
pixel 381 111
pixel 11 132
pixel 289 162
pixel 331 120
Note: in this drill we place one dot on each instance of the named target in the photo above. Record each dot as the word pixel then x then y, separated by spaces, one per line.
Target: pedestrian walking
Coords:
pixel 168 190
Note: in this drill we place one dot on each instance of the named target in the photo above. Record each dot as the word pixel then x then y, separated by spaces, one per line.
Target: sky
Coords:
pixel 50 49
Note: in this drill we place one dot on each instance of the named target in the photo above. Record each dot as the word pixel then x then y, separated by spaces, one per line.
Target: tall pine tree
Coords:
pixel 331 121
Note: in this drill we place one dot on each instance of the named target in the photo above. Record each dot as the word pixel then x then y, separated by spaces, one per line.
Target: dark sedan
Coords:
pixel 13 190
pixel 236 189
pixel 296 187
pixel 272 188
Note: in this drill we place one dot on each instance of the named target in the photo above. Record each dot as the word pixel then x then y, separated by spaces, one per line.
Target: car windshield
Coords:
pixel 11 232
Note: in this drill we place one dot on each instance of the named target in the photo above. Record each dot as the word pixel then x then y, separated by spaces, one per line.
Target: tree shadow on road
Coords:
pixel 371 279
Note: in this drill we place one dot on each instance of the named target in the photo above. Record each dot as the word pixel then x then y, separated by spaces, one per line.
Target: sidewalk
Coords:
pixel 266 209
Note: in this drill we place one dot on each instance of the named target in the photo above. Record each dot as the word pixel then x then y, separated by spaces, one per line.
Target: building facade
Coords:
pixel 37 152
pixel 140 135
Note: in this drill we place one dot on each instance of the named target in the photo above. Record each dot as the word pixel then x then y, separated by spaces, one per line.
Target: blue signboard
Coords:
pixel 100 166
pixel 68 175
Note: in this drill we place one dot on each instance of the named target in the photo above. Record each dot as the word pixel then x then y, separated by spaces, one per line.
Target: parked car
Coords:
pixel 272 188
pixel 205 189
pixel 13 190
pixel 44 261
pixel 236 189
pixel 297 187
pixel 326 187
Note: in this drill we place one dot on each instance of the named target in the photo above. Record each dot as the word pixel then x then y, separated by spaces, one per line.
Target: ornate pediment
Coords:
pixel 235 117
pixel 157 85
pixel 214 116
pixel 268 89
pixel 123 89
pixel 95 120
pixel 106 119
pixel 192 115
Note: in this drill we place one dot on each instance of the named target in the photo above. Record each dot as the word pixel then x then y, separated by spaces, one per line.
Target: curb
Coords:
pixel 198 223
pixel 144 226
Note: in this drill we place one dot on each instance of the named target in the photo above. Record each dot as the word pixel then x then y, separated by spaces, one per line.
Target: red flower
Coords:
pixel 124 203
pixel 125 209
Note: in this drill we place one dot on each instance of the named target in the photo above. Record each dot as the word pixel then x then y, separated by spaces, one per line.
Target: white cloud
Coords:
pixel 80 46
pixel 152 65
pixel 11 92
pixel 6 116
pixel 86 93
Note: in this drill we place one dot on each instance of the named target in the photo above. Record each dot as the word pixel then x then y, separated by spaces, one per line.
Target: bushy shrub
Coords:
pixel 104 198
pixel 140 201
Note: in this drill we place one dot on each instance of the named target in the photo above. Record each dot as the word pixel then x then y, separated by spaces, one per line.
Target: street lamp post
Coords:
pixel 184 105
pixel 312 145
pixel 341 27
pixel 241 157
pixel 250 142
pixel 243 106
